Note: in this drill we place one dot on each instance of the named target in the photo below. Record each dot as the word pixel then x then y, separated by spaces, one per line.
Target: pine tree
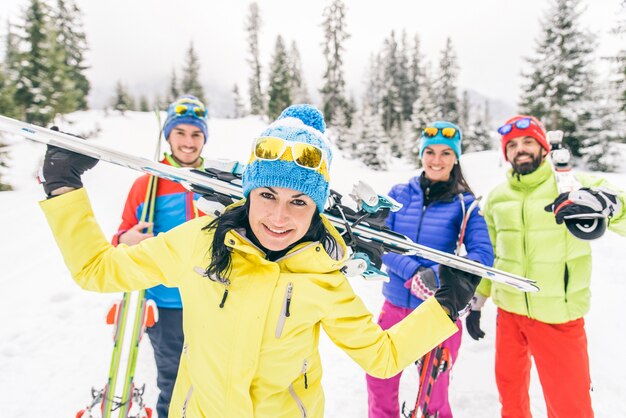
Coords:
pixel 299 91
pixel 465 109
pixel 34 89
pixel 239 110
pixel 373 146
pixel 190 83
pixel 604 126
pixel 425 112
pixel 73 43
pixel 9 72
pixel 446 84
pixel 335 34
pixel 620 58
pixel 561 76
pixel 403 79
pixel 374 84
pixel 477 135
pixel 3 165
pixel 253 27
pixel 415 71
pixel 143 105
pixel 173 91
pixel 280 80
pixel 391 99
pixel 341 135
pixel 64 96
pixel 7 85
pixel 123 101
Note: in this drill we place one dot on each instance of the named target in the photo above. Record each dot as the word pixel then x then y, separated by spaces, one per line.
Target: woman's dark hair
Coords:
pixel 237 218
pixel 460 184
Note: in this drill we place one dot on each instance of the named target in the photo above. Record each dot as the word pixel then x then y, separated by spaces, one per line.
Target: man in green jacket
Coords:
pixel 526 218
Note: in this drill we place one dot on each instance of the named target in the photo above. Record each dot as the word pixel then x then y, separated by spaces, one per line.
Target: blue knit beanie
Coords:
pixel 297 123
pixel 189 117
pixel 454 142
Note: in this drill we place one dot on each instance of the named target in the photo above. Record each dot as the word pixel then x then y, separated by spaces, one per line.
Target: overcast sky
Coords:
pixel 140 41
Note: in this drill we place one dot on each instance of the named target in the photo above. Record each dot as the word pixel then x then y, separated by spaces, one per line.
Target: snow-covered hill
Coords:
pixel 54 345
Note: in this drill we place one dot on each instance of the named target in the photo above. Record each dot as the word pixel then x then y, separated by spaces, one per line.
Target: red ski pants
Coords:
pixel 560 354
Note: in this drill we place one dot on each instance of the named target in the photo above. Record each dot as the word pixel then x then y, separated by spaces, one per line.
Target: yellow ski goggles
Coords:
pixel 305 155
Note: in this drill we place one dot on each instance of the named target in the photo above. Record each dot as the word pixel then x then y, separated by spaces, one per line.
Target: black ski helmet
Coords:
pixel 586 229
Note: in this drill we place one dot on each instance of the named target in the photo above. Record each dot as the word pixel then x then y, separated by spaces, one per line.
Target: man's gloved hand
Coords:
pixel 63 168
pixel 423 284
pixel 472 321
pixel 584 203
pixel 456 288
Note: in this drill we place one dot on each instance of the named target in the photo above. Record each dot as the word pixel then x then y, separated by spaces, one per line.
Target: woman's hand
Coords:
pixel 62 169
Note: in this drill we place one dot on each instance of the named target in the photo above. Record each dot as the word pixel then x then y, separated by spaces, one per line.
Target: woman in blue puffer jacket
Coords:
pixel 437 205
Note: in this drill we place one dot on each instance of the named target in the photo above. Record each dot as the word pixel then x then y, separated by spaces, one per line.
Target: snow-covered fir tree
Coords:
pixel 299 92
pixel 8 77
pixel 620 58
pixel 561 73
pixel 279 80
pixel 73 42
pixel 142 104
pixel 173 90
pixel 3 166
pixel 465 108
pixel 415 70
pixel 372 146
pixel 190 82
pixel 392 93
pixel 425 112
pixel 334 84
pixel 122 101
pixel 403 78
pixel 373 83
pixel 65 96
pixel 446 84
pixel 239 109
pixel 34 88
pixel 604 127
pixel 342 135
pixel 253 28
pixel 478 136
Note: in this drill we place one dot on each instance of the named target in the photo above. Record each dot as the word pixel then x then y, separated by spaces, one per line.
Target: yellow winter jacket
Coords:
pixel 257 356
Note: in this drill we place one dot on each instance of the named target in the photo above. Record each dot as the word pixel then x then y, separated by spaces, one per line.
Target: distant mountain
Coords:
pixel 498 109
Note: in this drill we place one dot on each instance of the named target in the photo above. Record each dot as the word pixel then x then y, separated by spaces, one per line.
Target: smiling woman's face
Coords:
pixel 438 161
pixel 279 217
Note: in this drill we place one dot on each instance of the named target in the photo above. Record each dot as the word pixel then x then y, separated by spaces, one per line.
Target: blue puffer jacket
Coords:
pixel 437 226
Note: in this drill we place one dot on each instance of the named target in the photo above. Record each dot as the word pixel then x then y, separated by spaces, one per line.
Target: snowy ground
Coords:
pixel 54 345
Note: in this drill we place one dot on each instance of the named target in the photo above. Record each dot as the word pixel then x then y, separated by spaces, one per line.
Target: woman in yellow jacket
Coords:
pixel 256 283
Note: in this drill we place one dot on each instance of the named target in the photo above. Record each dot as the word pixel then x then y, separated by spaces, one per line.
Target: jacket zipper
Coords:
pixel 284 310
pixel 294 395
pixel 184 410
pixel 525 251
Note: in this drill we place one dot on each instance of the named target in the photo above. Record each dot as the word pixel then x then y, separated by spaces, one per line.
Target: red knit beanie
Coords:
pixel 534 130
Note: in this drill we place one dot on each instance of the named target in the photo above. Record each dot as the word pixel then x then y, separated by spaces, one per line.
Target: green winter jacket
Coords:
pixel 527 241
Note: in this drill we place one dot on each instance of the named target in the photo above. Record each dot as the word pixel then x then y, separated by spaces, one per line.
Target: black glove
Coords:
pixel 472 323
pixel 584 203
pixel 63 168
pixel 456 288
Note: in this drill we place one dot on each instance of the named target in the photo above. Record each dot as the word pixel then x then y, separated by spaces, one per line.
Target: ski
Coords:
pixel 362 231
pixel 130 317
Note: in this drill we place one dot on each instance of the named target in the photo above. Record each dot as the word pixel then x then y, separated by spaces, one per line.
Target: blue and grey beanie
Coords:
pixel 194 113
pixel 297 123
pixel 454 142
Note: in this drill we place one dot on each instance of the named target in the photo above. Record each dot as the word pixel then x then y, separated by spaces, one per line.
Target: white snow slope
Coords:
pixel 54 344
